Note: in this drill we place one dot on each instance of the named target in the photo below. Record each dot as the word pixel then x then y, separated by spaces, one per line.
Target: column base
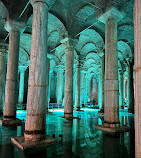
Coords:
pixel 101 112
pixel 78 109
pixel 112 129
pixel 130 111
pixel 10 122
pixel 25 145
pixel 122 107
pixel 69 117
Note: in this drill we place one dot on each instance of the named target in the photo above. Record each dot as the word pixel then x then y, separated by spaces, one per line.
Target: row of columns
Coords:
pixel 35 125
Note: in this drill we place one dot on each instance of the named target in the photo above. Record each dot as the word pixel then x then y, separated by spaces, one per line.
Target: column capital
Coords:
pixel 22 68
pixel 14 25
pixel 49 3
pixel 60 67
pixel 111 13
pixel 69 42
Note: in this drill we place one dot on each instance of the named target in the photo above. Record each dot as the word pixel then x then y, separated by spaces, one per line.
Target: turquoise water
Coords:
pixel 77 138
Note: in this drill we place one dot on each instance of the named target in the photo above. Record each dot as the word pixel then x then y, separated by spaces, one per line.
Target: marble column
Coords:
pixel 60 85
pixel 74 83
pixel 77 88
pixel 111 84
pixel 68 107
pixel 22 70
pixel 48 83
pixel 130 87
pixel 35 124
pixel 99 91
pixel 82 86
pixel 121 90
pixel 102 76
pixel 87 88
pixel 14 28
pixel 2 76
pixel 137 60
pixel 111 109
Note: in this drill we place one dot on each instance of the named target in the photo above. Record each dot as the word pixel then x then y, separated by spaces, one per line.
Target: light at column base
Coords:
pixel 25 145
pixel 113 129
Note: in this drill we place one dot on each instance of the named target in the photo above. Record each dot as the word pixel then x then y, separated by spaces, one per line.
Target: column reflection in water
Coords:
pixel 91 146
pixel 111 146
pixel 67 139
pixel 77 135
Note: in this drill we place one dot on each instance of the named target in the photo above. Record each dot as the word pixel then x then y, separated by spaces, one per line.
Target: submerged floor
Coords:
pixel 75 139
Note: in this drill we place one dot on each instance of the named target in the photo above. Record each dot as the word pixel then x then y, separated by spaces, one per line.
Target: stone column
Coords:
pixel 22 70
pixel 35 124
pixel 111 84
pixel 130 86
pixel 100 90
pixel 137 55
pixel 82 86
pixel 74 83
pixel 77 88
pixel 68 107
pixel 111 110
pixel 48 83
pixel 102 76
pixel 14 28
pixel 87 88
pixel 2 76
pixel 60 85
pixel 121 90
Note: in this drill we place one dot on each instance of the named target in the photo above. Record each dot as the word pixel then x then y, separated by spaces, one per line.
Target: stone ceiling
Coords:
pixel 79 18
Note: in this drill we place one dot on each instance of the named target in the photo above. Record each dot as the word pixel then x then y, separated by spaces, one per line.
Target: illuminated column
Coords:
pixel 102 76
pixel 68 107
pixel 48 82
pixel 121 90
pixel 82 86
pixel 35 125
pixel 137 54
pixel 22 70
pixel 14 28
pixel 60 84
pixel 74 83
pixel 2 76
pixel 111 84
pixel 100 89
pixel 77 88
pixel 87 88
pixel 111 110
pixel 130 86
